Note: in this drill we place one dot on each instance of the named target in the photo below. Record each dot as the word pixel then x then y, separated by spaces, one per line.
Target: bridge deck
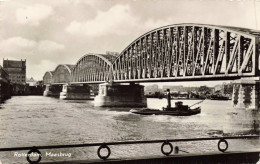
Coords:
pixel 205 158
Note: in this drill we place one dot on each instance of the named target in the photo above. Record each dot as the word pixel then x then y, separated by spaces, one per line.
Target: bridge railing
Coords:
pixel 222 146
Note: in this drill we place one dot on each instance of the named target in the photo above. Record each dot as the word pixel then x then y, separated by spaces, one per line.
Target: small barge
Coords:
pixel 178 110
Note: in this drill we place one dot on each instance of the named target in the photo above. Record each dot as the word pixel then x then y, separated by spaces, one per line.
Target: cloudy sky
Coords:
pixel 51 32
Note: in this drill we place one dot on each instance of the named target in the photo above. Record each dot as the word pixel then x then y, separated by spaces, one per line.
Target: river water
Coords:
pixel 38 121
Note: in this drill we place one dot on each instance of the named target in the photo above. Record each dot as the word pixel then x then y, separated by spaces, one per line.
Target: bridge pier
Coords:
pixel 52 90
pixel 246 101
pixel 75 92
pixel 246 93
pixel 115 95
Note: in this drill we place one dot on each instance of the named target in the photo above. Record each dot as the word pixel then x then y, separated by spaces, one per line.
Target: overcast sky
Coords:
pixel 51 32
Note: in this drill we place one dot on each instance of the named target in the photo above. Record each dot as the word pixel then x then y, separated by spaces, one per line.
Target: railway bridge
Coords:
pixel 180 52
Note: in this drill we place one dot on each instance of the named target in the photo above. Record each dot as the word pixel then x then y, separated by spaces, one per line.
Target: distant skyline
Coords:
pixel 51 32
pixel 188 84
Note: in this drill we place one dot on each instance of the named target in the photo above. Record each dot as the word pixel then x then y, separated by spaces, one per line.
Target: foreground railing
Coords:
pixel 35 149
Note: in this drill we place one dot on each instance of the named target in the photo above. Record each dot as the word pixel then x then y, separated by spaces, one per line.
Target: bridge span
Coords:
pixel 181 52
pixel 189 52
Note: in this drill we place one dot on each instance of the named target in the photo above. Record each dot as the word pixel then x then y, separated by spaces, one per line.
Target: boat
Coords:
pixel 178 110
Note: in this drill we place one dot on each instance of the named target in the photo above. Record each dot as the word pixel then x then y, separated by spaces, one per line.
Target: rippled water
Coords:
pixel 37 120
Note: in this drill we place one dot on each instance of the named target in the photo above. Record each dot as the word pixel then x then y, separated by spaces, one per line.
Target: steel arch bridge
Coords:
pixel 189 52
pixel 181 52
pixel 48 77
pixel 93 68
pixel 61 75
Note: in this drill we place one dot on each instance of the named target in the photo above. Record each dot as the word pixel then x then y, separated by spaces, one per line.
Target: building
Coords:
pixel 31 82
pixel 17 75
pixel 5 89
pixel 151 89
pixel 224 89
pixel 16 71
pixel 173 88
pixel 39 83
pixel 218 88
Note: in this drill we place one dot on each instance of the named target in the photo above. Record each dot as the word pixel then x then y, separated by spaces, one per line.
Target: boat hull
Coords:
pixel 171 113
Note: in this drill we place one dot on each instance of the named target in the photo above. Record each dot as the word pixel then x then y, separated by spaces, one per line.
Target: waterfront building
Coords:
pixel 151 89
pixel 4 85
pixel 39 83
pixel 173 88
pixel 16 70
pixel 218 88
pixel 31 82
pixel 17 75
pixel 225 89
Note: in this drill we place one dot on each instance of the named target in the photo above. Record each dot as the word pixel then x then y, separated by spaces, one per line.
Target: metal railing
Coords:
pixel 104 145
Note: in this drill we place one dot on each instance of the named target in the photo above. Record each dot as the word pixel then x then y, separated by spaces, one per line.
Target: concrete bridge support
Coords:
pixel 115 95
pixel 246 101
pixel 246 93
pixel 52 90
pixel 76 92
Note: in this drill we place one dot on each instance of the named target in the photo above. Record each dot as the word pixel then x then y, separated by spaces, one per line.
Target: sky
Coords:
pixel 51 32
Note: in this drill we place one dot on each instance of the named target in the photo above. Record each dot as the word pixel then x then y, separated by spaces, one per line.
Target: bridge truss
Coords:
pixel 92 68
pixel 188 52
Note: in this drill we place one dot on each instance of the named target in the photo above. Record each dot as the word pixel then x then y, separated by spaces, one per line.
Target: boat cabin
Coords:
pixel 178 106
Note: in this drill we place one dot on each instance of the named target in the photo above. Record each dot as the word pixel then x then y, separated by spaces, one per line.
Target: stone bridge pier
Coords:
pixel 52 90
pixel 246 104
pixel 116 95
pixel 246 93
pixel 76 92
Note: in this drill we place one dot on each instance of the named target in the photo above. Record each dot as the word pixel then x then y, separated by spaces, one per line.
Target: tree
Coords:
pixel 228 89
pixel 204 89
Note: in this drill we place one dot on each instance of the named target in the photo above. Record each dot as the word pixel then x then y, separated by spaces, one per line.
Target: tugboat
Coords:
pixel 178 110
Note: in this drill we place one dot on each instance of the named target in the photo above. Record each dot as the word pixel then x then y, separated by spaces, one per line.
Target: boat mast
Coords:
pixel 168 98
